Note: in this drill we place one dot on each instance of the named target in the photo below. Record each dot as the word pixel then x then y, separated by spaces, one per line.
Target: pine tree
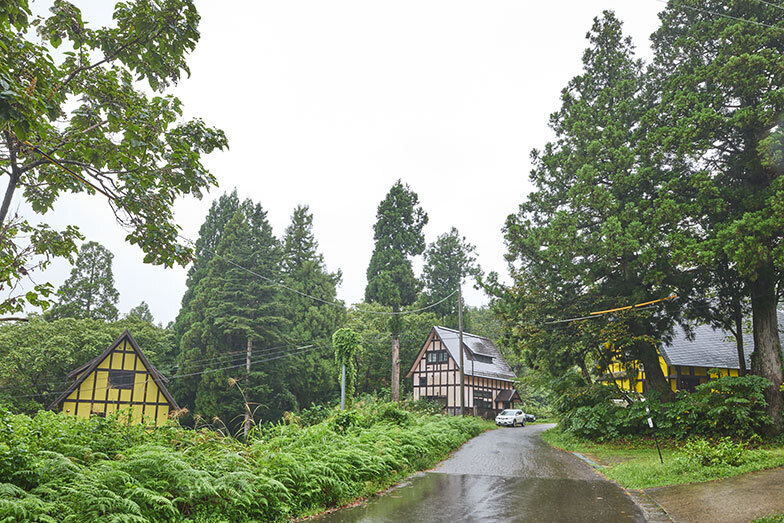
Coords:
pixel 229 307
pixel 390 276
pixel 448 261
pixel 89 291
pixel 310 377
pixel 141 312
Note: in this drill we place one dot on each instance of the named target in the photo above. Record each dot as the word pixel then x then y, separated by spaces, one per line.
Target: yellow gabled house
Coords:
pixel 120 378
pixel 685 361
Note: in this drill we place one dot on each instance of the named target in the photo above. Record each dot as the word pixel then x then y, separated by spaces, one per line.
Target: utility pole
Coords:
pixel 460 340
pixel 394 386
pixel 246 427
pixel 343 387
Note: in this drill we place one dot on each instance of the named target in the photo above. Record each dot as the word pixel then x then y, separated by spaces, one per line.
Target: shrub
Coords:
pixel 709 453
pixel 725 407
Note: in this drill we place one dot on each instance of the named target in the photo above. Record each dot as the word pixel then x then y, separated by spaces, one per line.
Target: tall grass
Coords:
pixel 58 468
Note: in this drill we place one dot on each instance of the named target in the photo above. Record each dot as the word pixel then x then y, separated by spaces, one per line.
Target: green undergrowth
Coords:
pixel 635 463
pixel 58 468
pixel 777 518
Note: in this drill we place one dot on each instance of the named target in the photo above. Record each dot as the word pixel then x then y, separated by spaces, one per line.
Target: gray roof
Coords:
pixel 477 345
pixel 712 348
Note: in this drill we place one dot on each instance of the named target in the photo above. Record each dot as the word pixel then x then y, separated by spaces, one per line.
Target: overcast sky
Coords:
pixel 327 103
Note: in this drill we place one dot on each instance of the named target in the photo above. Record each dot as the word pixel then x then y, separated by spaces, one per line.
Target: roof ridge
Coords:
pixel 466 333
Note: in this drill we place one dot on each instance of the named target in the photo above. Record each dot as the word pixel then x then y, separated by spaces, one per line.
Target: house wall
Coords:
pixel 680 377
pixel 442 380
pixel 96 396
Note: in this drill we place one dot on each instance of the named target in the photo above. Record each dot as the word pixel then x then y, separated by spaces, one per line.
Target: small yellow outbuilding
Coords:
pixel 120 378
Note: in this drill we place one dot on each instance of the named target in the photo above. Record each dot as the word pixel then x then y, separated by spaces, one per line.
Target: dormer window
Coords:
pixel 482 358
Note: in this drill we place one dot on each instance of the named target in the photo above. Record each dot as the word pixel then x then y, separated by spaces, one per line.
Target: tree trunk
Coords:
pixel 739 337
pixel 649 357
pixel 395 384
pixel 13 179
pixel 767 345
pixel 584 371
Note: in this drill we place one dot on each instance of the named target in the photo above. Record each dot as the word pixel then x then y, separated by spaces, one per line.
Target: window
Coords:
pixel 423 381
pixel 482 358
pixel 439 356
pixel 483 399
pixel 121 379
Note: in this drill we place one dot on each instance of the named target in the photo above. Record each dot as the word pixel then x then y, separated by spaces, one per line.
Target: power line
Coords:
pixel 272 281
pixel 294 352
pixel 739 19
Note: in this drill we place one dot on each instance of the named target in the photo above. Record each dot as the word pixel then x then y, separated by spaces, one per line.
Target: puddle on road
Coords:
pixel 456 498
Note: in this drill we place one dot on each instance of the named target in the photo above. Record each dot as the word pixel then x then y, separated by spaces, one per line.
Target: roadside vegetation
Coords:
pixel 56 468
pixel 634 463
pixel 711 433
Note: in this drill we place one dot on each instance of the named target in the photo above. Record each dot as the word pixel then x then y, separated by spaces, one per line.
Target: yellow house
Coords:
pixel 120 378
pixel 685 362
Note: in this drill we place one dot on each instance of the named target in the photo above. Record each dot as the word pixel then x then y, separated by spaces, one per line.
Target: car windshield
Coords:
pixel 508 413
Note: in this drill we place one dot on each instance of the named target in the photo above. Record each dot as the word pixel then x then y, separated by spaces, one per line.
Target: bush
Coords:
pixel 726 407
pixel 709 453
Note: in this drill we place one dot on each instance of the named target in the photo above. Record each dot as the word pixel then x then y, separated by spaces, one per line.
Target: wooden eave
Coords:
pixel 86 369
pixel 430 337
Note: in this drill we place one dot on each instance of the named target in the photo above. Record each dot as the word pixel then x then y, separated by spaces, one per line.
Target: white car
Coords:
pixel 511 418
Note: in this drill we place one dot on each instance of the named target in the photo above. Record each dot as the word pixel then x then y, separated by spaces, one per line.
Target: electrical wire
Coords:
pixel 294 352
pixel 739 19
pixel 266 278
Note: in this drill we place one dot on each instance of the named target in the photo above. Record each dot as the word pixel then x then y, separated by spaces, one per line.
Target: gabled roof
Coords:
pixel 90 366
pixel 474 344
pixel 712 348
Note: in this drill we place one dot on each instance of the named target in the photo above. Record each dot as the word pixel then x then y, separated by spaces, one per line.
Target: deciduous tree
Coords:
pixel 81 104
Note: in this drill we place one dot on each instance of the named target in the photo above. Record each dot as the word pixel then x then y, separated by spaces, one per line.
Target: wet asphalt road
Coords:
pixel 508 474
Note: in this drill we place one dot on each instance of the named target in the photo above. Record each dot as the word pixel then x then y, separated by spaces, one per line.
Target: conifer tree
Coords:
pixel 89 291
pixel 720 133
pixel 390 276
pixel 229 307
pixel 448 261
pixel 586 239
pixel 310 377
pixel 141 312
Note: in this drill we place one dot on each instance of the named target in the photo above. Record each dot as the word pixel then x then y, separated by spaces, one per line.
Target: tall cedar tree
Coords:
pixel 722 80
pixel 390 277
pixel 310 376
pixel 84 107
pixel 584 236
pixel 89 291
pixel 221 211
pixel 448 261
pixel 229 307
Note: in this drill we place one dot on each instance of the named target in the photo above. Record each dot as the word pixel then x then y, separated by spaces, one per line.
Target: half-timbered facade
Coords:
pixel 489 381
pixel 120 378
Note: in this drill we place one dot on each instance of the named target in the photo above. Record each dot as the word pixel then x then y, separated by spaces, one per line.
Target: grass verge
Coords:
pixel 636 464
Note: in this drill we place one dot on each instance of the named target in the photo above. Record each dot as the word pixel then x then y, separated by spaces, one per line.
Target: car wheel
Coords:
pixel 522 423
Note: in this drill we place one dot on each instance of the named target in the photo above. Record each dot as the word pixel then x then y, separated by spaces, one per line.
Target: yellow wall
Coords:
pixel 140 400
pixel 624 383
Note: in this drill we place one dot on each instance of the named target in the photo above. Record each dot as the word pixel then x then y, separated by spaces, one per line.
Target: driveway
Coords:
pixel 508 474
